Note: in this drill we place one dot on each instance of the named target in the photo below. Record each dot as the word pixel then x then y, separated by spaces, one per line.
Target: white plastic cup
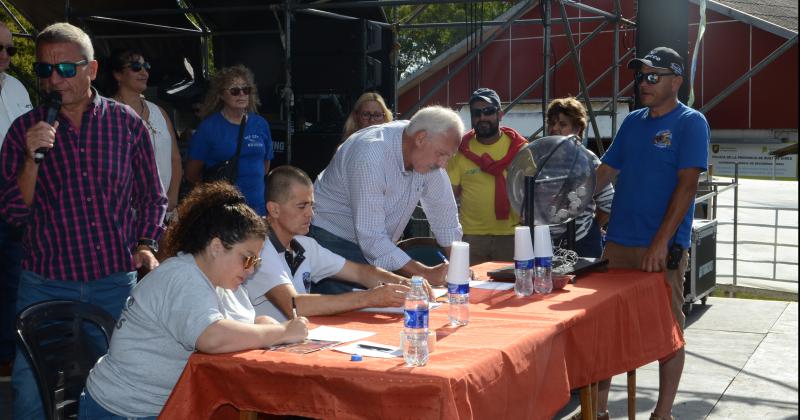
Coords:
pixel 458 270
pixel 523 248
pixel 542 244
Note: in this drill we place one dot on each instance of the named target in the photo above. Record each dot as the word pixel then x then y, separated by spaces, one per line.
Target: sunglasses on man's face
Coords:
pixel 651 78
pixel 9 49
pixel 489 110
pixel 137 66
pixel 251 261
pixel 66 70
pixel 236 91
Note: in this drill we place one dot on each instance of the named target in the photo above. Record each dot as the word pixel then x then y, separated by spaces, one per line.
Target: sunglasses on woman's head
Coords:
pixel 66 70
pixel 251 261
pixel 489 110
pixel 137 66
pixel 10 49
pixel 236 91
pixel 651 78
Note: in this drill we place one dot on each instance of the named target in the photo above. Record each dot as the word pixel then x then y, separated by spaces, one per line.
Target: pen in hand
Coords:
pixel 294 309
pixel 444 259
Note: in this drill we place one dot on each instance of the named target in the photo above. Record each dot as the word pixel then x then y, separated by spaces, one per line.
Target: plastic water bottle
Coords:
pixel 523 271
pixel 415 347
pixel 458 299
pixel 543 275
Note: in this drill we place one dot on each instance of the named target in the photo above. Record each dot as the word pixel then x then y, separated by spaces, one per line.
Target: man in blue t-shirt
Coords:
pixel 657 157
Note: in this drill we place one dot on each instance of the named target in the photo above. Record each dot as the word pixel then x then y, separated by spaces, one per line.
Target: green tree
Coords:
pixel 418 46
pixel 22 63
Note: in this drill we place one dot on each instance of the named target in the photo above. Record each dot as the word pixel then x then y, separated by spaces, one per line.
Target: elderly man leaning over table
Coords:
pixel 366 195
pixel 293 262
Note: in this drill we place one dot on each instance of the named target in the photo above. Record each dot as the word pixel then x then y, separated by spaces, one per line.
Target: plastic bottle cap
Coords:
pixel 356 358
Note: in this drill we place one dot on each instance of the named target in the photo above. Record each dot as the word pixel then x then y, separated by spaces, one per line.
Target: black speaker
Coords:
pixel 323 73
pixel 356 36
pixel 662 23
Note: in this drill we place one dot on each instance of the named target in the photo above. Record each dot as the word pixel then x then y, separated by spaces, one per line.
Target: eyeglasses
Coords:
pixel 236 91
pixel 250 261
pixel 651 78
pixel 489 110
pixel 372 116
pixel 10 49
pixel 137 66
pixel 66 70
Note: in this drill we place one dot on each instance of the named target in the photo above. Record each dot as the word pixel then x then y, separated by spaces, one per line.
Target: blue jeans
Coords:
pixel 346 249
pixel 108 293
pixel 89 409
pixel 10 269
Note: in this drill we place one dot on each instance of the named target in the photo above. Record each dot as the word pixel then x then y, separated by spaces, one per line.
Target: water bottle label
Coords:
pixel 523 264
pixel 457 288
pixel 416 319
pixel 546 262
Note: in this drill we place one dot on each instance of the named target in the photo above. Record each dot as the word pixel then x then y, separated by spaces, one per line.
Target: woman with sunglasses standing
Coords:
pixel 130 73
pixel 233 95
pixel 370 109
pixel 176 309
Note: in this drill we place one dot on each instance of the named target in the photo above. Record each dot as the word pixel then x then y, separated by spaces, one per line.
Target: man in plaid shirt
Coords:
pixel 77 204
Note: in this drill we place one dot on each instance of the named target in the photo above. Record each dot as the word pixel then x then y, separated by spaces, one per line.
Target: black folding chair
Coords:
pixel 54 339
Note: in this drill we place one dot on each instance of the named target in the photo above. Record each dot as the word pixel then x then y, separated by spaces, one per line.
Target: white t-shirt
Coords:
pixel 14 101
pixel 319 263
pixel 163 318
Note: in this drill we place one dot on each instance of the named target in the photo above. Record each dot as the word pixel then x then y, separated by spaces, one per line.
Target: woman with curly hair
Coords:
pixel 370 109
pixel 233 95
pixel 177 308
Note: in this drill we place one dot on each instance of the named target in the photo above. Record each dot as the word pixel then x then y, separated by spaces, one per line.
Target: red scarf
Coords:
pixel 496 167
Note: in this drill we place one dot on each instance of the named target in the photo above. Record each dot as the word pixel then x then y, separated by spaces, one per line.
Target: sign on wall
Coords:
pixel 754 161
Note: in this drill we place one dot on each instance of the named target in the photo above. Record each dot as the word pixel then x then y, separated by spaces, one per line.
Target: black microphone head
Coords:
pixel 53 99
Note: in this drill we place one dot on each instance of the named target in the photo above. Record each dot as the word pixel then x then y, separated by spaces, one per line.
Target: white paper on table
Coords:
pixel 398 309
pixel 325 333
pixel 353 348
pixel 491 285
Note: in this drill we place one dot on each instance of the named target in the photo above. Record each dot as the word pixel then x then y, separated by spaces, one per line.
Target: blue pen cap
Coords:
pixel 356 358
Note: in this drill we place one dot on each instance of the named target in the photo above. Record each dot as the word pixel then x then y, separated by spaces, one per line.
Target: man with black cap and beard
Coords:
pixel 478 175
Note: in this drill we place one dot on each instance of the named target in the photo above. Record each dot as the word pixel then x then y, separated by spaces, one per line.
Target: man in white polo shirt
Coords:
pixel 291 262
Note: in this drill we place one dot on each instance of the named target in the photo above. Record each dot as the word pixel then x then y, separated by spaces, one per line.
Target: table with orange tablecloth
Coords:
pixel 517 358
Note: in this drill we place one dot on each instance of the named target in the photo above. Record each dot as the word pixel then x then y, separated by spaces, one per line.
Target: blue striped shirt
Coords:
pixel 81 224
pixel 366 196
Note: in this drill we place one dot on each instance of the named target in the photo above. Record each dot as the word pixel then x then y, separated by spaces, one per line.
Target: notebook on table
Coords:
pixel 582 266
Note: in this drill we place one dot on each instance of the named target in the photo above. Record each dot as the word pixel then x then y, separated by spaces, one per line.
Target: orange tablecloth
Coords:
pixel 517 358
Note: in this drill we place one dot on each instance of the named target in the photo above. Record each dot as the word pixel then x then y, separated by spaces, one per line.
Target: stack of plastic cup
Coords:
pixel 543 260
pixel 523 261
pixel 458 284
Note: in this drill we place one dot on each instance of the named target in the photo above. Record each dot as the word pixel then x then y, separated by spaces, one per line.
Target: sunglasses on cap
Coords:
pixel 137 66
pixel 651 78
pixel 236 91
pixel 250 261
pixel 10 49
pixel 66 70
pixel 372 116
pixel 489 110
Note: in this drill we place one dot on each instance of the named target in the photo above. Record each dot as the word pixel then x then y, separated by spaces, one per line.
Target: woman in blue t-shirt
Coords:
pixel 232 95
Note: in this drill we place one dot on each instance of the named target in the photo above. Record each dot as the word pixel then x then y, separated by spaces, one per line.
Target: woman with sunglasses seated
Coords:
pixel 370 109
pixel 176 309
pixel 130 73
pixel 231 96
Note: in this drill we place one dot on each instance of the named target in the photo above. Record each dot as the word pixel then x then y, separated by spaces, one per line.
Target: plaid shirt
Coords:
pixel 81 224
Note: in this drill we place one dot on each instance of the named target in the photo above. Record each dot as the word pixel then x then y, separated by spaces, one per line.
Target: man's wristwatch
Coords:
pixel 150 243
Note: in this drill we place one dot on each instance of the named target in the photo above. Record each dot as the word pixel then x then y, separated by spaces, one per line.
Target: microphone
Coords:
pixel 53 101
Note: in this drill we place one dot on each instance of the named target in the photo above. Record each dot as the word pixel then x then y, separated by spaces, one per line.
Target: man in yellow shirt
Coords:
pixel 478 175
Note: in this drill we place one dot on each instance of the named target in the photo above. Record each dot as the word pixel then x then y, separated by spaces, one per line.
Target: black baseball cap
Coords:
pixel 485 94
pixel 662 58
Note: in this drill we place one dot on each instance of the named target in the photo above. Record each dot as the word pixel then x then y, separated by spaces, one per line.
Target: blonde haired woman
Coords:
pixel 370 109
pixel 233 95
